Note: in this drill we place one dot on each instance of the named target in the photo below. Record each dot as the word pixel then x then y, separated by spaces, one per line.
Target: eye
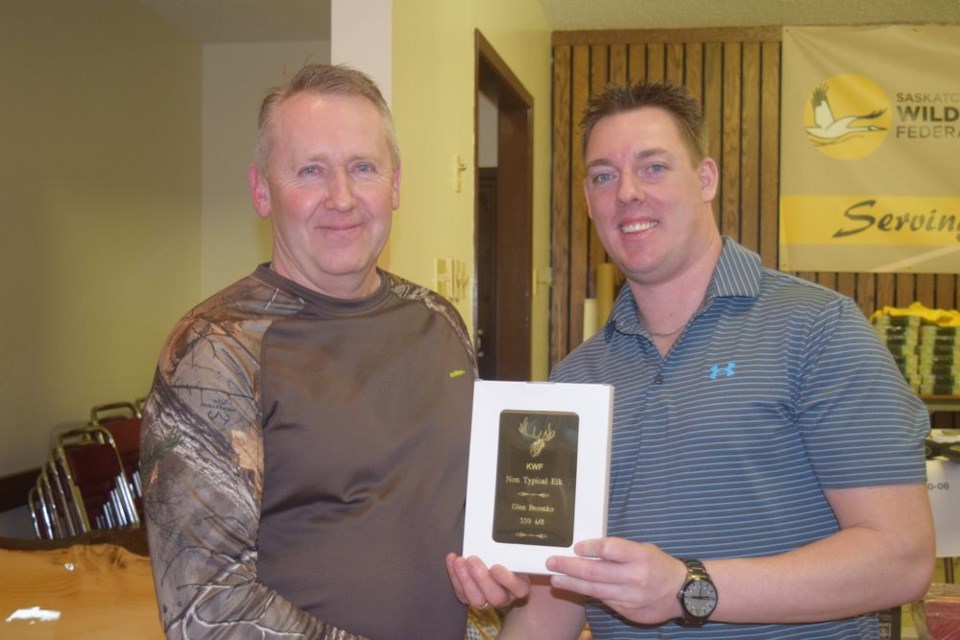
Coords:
pixel 655 168
pixel 310 170
pixel 602 177
pixel 366 167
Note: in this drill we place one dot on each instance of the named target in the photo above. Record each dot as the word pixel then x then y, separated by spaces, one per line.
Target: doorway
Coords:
pixel 503 219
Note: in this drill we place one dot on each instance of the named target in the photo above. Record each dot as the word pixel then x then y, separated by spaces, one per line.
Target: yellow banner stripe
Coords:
pixel 870 220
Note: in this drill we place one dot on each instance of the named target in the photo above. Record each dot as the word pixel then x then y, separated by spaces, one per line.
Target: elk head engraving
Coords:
pixel 540 437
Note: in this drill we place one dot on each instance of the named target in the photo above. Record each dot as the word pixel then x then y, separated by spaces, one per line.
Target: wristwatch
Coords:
pixel 698 595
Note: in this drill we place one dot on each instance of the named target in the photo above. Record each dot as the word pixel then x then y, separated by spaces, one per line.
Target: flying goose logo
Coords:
pixel 847 117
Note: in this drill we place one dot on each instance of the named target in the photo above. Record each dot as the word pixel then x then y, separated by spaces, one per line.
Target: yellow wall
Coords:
pixel 433 103
pixel 100 184
pixel 109 230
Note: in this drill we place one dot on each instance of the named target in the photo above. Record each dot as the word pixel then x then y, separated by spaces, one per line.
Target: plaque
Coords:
pixel 538 471
pixel 536 486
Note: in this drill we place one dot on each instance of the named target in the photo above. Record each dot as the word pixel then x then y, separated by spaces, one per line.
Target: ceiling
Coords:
pixel 216 21
pixel 568 15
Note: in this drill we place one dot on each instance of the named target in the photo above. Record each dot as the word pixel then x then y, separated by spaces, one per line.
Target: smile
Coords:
pixel 341 227
pixel 637 227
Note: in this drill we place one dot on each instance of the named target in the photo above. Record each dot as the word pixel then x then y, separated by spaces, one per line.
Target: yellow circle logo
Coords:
pixel 847 117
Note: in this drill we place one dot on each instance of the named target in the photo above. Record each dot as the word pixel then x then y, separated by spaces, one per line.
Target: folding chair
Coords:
pixel 98 486
pixel 50 509
pixel 56 495
pixel 42 526
pixel 122 420
pixel 117 410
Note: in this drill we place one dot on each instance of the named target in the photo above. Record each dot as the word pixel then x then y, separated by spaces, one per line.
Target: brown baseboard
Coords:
pixel 14 488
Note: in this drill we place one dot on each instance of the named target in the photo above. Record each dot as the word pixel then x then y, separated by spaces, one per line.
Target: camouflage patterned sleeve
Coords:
pixel 202 464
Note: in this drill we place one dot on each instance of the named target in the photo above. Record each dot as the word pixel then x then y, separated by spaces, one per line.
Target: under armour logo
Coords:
pixel 716 370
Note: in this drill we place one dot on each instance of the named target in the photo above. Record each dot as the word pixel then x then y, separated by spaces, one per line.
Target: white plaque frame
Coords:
pixel 593 403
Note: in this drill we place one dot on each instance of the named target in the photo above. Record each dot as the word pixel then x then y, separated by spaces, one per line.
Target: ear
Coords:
pixel 259 191
pixel 396 188
pixel 709 177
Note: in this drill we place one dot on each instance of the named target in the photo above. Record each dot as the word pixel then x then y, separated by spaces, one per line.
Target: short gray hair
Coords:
pixel 323 79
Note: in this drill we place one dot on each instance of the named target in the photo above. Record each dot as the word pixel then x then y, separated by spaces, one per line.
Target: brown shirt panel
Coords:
pixel 367 413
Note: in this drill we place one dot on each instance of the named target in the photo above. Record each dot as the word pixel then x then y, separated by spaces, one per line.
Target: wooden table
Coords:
pixel 96 586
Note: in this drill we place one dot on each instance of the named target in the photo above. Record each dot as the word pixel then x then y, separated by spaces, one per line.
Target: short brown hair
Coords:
pixel 671 98
pixel 324 79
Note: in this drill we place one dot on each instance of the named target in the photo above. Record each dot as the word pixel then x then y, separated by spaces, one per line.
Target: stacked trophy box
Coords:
pixel 938 360
pixel 928 355
pixel 901 334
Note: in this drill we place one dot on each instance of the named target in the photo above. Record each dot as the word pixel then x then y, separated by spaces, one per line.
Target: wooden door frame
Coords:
pixel 514 234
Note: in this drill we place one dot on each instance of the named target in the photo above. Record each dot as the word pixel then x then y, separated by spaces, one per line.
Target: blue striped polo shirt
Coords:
pixel 778 389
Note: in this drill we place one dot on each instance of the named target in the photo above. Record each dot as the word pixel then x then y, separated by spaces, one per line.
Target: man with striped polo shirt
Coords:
pixel 767 472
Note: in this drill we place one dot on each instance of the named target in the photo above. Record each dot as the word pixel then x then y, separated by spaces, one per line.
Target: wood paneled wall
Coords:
pixel 735 73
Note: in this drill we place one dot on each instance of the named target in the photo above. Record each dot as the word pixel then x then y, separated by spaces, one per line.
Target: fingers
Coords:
pixel 588 577
pixel 458 589
pixel 517 585
pixel 635 579
pixel 473 583
pixel 603 567
pixel 613 549
pixel 478 586
pixel 605 560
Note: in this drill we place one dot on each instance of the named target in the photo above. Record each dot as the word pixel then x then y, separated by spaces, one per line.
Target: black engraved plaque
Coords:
pixel 536 478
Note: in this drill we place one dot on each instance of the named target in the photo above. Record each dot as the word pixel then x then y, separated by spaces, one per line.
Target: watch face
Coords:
pixel 700 598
